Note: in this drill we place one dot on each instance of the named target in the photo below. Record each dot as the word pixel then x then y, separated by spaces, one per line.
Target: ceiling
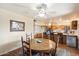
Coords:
pixel 29 9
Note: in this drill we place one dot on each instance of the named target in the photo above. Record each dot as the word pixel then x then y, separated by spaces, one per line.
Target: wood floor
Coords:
pixel 18 52
pixel 73 51
pixel 13 53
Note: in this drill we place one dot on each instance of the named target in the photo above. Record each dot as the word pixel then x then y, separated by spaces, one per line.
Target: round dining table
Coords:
pixel 41 44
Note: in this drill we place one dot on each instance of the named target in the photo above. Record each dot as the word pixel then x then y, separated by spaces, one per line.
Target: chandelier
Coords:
pixel 41 11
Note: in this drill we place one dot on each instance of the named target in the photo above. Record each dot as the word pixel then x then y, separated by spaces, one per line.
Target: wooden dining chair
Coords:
pixel 28 40
pixel 60 37
pixel 51 36
pixel 26 47
pixel 28 36
pixel 52 52
pixel 56 40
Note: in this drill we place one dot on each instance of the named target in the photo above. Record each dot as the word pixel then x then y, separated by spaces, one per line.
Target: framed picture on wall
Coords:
pixel 17 25
pixel 74 25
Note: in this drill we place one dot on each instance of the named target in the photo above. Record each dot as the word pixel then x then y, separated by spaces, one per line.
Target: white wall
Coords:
pixel 11 40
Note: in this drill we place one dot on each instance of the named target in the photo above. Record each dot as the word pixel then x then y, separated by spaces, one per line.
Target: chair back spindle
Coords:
pixel 26 46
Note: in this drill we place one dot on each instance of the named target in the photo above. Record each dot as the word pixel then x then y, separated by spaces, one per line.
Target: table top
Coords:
pixel 40 44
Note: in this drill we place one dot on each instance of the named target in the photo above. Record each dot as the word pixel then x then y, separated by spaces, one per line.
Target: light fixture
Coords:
pixel 49 24
pixel 41 10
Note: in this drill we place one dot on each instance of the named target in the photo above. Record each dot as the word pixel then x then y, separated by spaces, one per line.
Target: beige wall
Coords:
pixel 11 40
